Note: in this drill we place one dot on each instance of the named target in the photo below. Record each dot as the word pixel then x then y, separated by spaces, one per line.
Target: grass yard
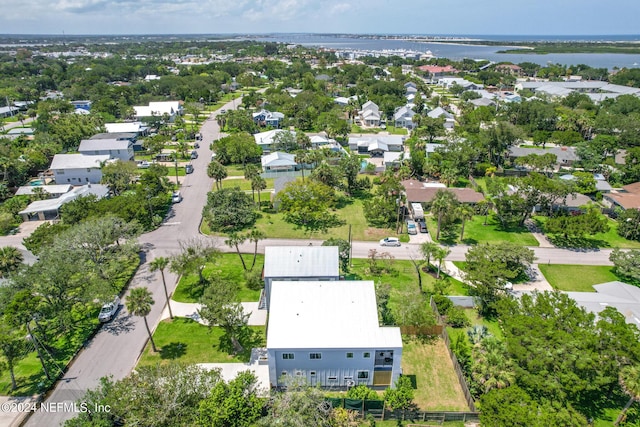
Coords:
pixel 274 226
pixel 476 232
pixel 438 388
pixel 227 267
pixel 610 239
pixel 186 341
pixel 577 278
pixel 245 185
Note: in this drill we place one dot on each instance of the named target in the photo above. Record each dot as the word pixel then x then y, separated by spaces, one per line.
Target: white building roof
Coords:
pixel 77 161
pixel 27 190
pixel 133 127
pixel 98 190
pixel 279 158
pixel 390 157
pixel 623 297
pixel 266 138
pixel 301 261
pixel 327 314
pixel 439 112
pixel 157 109
pixel 103 144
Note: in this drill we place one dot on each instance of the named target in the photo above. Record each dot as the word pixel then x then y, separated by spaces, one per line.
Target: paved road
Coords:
pixel 117 346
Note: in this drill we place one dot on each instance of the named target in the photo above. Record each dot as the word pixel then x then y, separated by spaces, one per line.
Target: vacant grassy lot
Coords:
pixel 476 232
pixel 245 185
pixel 578 278
pixel 227 267
pixel 437 385
pixel 186 341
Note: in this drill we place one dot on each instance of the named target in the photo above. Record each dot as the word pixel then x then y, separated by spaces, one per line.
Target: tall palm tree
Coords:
pixel 629 379
pixel 465 213
pixel 218 172
pixel 492 369
pixel 10 260
pixel 255 236
pixel 440 254
pixel 258 184
pixel 443 202
pixel 428 250
pixel 159 264
pixel 139 303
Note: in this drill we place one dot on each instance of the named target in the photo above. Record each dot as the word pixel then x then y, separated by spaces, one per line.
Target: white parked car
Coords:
pixel 109 310
pixel 176 197
pixel 390 241
pixel 144 164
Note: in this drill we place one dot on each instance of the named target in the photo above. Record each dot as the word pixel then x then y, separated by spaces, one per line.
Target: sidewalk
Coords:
pixel 537 233
pixel 184 309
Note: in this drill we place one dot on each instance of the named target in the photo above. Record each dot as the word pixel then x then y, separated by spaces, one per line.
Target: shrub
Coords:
pixel 362 392
pixel 457 318
pixel 443 303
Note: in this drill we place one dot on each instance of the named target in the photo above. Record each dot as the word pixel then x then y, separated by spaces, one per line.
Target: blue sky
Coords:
pixel 517 17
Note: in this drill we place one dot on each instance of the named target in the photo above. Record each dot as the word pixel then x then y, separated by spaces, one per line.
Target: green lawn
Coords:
pixel 579 278
pixel 186 341
pixel 438 388
pixel 274 225
pixel 476 232
pixel 227 267
pixel 245 185
pixel 610 239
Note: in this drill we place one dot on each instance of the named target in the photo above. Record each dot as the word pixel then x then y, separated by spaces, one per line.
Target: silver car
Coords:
pixel 390 241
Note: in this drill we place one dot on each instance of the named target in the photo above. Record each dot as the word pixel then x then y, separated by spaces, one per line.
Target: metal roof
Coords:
pixel 104 144
pixel 77 161
pixel 98 190
pixel 278 158
pixel 623 297
pixel 301 261
pixel 327 314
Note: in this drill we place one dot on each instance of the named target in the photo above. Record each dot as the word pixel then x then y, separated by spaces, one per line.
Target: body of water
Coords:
pixel 460 51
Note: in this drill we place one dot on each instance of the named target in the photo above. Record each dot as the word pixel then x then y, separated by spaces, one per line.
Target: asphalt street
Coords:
pixel 117 346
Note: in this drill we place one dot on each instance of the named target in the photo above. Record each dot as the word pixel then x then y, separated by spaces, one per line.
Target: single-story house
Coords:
pixel 268 118
pixel 15 133
pixel 431 147
pixel 78 169
pixel 626 198
pixel 279 161
pixel 82 105
pixel 418 192
pixel 299 263
pixel 623 297
pixel 159 109
pixel 49 209
pixel 376 145
pixel 403 117
pixel 327 333
pixel 565 155
pixel 392 160
pixel 8 111
pixel 114 148
pixel 138 128
pixel 55 190
pixel 265 139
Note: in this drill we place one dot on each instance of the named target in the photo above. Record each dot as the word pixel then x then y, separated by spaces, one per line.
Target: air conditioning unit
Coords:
pixel 351 383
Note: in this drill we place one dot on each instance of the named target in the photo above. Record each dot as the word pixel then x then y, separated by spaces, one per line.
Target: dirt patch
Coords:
pixel 376 232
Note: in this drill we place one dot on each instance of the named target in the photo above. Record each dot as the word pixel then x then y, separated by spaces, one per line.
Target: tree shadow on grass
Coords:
pixel 248 338
pixel 577 243
pixel 174 350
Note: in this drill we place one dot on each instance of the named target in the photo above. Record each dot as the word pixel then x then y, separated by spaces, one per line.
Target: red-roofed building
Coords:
pixel 511 69
pixel 437 71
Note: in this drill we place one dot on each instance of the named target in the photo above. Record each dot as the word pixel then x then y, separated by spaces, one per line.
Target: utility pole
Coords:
pixel 35 343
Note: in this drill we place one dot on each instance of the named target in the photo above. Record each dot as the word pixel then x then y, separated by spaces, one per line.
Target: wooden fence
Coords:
pixel 456 365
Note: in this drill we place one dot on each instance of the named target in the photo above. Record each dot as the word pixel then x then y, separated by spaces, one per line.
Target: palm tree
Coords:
pixel 465 213
pixel 255 236
pixel 218 172
pixel 10 260
pixel 258 184
pixel 139 303
pixel 302 158
pixel 629 379
pixel 440 254
pixel 234 240
pixel 492 368
pixel 442 203
pixel 160 264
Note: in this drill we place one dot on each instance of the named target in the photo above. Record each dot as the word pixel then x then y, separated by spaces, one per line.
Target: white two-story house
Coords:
pixel 77 169
pixel 328 334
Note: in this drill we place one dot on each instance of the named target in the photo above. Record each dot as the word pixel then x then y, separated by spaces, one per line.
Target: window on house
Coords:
pixel 349 355
pixel 363 375
pixel 312 373
pixel 298 373
pixel 315 356
pixel 366 355
pixel 283 374
pixel 60 172
pixel 288 356
pixel 332 378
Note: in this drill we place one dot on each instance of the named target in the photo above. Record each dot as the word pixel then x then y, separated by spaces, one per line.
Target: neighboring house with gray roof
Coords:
pixel 376 145
pixel 403 118
pixel 51 190
pixel 121 149
pixel 278 161
pixel 49 209
pixel 623 297
pixel 565 156
pixel 77 169
pixel 370 114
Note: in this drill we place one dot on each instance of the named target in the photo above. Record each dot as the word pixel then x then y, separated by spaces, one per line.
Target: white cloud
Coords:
pixel 339 8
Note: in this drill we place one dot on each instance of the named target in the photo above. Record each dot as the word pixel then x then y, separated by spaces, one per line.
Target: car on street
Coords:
pixel 223 111
pixel 196 145
pixel 144 164
pixel 390 241
pixel 188 168
pixel 176 197
pixel 411 227
pixel 109 310
pixel 194 154
pixel 422 225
